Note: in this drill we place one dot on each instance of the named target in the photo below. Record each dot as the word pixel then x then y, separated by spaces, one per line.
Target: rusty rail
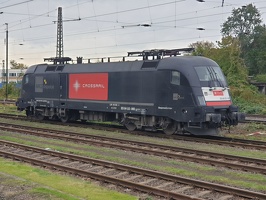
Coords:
pixel 245 163
pixel 125 183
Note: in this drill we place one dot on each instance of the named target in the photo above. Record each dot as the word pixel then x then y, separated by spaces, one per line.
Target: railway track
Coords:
pixel 204 157
pixel 225 141
pixel 147 181
pixel 259 117
pixel 249 117
pixel 9 101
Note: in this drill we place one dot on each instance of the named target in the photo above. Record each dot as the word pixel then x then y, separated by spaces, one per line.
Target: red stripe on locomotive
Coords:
pixel 218 103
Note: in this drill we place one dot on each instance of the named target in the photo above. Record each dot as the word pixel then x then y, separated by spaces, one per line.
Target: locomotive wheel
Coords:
pixel 64 119
pixel 39 116
pixel 170 129
pixel 29 113
pixel 130 126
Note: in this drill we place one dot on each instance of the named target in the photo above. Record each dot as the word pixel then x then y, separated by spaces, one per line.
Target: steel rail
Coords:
pixel 161 150
pixel 155 174
pixel 99 177
pixel 234 142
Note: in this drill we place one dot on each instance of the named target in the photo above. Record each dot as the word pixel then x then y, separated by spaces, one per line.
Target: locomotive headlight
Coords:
pixel 201 101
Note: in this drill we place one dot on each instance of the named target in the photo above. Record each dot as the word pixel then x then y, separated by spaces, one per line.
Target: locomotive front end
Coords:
pixel 214 101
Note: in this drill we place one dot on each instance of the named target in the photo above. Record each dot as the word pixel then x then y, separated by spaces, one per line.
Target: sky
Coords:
pixel 109 28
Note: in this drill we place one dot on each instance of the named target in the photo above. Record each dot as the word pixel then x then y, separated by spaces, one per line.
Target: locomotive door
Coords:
pixel 63 88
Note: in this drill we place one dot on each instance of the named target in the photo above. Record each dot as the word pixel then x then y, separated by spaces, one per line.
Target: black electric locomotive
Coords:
pixel 176 94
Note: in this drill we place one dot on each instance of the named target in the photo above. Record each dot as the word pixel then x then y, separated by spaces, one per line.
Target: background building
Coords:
pixel 14 76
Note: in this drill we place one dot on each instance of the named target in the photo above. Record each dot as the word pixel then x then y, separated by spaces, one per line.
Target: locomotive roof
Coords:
pixel 180 63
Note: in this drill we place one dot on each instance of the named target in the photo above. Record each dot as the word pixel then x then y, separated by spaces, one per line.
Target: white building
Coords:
pixel 14 75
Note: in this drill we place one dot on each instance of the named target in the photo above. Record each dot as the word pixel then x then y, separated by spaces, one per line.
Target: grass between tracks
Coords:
pixel 182 144
pixel 10 109
pixel 193 170
pixel 255 182
pixel 42 184
pixel 241 131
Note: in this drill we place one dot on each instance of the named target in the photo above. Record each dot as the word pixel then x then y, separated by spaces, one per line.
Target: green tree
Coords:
pixel 231 62
pixel 16 65
pixel 245 24
pixel 255 56
pixel 227 55
pixel 202 48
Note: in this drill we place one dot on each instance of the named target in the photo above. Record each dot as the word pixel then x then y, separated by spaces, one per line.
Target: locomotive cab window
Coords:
pixel 175 78
pixel 210 75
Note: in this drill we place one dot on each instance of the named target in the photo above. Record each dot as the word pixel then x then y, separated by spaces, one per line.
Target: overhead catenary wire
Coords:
pixel 29 14
pixel 93 37
pixel 78 8
pixel 114 27
pixel 15 4
pixel 45 14
pixel 96 21
pixel 154 23
pixel 111 29
pixel 85 18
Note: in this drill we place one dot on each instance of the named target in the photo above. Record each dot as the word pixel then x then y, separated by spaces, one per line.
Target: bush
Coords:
pixel 13 91
pixel 260 78
pixel 251 107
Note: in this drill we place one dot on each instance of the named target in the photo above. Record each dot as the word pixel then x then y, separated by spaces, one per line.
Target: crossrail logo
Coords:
pixel 218 93
pixel 76 85
pixel 92 86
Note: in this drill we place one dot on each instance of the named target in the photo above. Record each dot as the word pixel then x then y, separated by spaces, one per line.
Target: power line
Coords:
pixel 154 23
pixel 157 23
pixel 36 16
pixel 134 9
pixel 15 4
pixel 120 45
pixel 95 16
pixel 40 15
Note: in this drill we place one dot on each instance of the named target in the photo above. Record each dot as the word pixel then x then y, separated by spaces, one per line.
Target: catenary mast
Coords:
pixel 59 45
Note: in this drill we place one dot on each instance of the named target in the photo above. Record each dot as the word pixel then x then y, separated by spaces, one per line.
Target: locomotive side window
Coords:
pixel 175 78
pixel 26 79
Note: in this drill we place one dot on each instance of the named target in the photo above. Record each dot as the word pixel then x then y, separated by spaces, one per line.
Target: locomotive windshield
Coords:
pixel 210 76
